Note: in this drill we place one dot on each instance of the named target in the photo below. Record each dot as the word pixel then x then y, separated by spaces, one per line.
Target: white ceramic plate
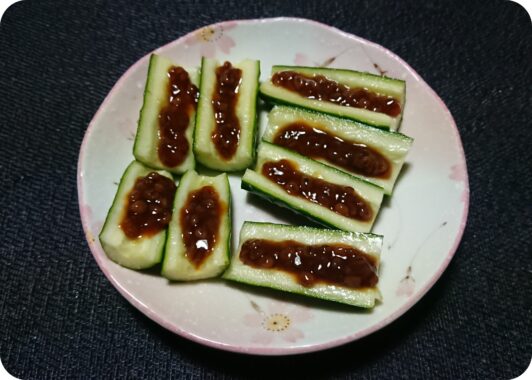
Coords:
pixel 422 223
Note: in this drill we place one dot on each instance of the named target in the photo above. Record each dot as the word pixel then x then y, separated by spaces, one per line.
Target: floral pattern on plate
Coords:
pixel 213 37
pixel 278 320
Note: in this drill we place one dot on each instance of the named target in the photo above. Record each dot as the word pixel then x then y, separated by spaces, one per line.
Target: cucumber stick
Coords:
pixel 155 97
pixel 367 243
pixel 137 253
pixel 176 264
pixel 392 146
pixel 246 113
pixel 353 79
pixel 255 182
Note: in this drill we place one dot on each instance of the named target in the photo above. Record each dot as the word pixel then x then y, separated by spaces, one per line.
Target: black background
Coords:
pixel 59 316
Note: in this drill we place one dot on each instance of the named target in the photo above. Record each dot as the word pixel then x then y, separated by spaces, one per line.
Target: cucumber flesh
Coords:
pixel 176 265
pixel 392 145
pixel 246 112
pixel 137 253
pixel 156 97
pixel 368 243
pixel 254 181
pixel 350 78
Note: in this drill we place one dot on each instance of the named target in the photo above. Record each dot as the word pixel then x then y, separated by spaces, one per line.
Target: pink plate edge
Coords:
pixel 99 254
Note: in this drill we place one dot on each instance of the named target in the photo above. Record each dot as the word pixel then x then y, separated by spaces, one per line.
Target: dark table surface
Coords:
pixel 60 317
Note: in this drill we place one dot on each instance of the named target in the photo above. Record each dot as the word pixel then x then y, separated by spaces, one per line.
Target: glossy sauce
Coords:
pixel 227 130
pixel 200 220
pixel 149 206
pixel 315 143
pixel 320 88
pixel 174 117
pixel 335 264
pixel 342 200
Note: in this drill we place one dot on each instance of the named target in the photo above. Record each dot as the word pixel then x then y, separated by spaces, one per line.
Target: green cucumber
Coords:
pixel 246 112
pixel 176 265
pixel 155 97
pixel 255 182
pixel 138 253
pixel 369 244
pixel 392 145
pixel 354 79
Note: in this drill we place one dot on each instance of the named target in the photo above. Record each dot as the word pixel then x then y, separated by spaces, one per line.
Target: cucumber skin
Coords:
pixel 248 187
pixel 293 291
pixel 144 96
pixel 382 130
pixel 254 138
pixel 314 229
pixel 277 101
pixel 198 117
pixel 276 68
pixel 118 190
pixel 230 236
pixel 254 132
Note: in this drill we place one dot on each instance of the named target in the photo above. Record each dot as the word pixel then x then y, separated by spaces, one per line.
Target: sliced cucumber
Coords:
pixel 155 97
pixel 354 79
pixel 367 243
pixel 176 264
pixel 254 181
pixel 392 145
pixel 246 112
pixel 137 253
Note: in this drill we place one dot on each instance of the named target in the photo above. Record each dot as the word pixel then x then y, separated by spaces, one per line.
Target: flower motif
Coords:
pixel 458 173
pixel 407 284
pixel 277 322
pixel 301 59
pixel 211 37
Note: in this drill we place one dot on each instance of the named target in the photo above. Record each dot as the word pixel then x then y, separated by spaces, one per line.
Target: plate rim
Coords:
pixel 272 351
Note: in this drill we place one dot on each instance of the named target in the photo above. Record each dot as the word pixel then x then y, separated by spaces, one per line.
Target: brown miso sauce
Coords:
pixel 342 200
pixel 174 117
pixel 200 220
pixel 335 264
pixel 149 206
pixel 316 143
pixel 320 88
pixel 226 133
